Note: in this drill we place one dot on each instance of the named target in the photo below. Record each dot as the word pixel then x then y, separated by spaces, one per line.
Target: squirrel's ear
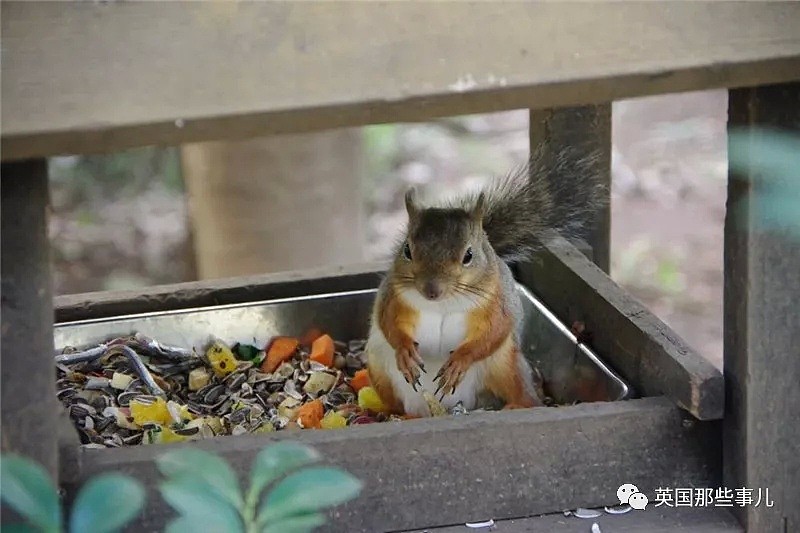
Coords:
pixel 479 210
pixel 411 202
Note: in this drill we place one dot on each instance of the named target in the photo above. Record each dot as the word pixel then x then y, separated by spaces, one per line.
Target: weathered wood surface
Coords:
pixel 217 292
pixel 762 321
pixel 651 520
pixel 423 473
pixel 586 130
pixel 28 388
pixel 103 76
pixel 638 345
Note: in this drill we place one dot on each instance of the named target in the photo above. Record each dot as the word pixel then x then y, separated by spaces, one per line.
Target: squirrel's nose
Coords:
pixel 432 290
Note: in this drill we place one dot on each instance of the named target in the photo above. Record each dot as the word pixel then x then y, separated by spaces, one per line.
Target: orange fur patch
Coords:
pixel 398 321
pixel 487 328
pixel 504 381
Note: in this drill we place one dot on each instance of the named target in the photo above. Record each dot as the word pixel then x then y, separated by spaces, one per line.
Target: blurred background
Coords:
pixel 163 215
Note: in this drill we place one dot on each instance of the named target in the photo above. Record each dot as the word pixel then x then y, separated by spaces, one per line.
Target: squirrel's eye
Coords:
pixel 407 251
pixel 467 257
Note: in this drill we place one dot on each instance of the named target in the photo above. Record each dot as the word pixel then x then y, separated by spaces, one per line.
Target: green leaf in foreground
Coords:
pixel 106 504
pixel 20 528
pixel 204 470
pixel 278 459
pixel 26 487
pixel 307 491
pixel 296 524
pixel 198 505
pixel 193 524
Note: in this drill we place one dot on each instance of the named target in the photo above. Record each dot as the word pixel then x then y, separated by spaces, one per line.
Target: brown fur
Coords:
pixel 397 320
pixel 503 380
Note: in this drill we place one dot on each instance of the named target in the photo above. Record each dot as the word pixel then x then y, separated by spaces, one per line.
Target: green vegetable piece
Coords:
pixel 106 504
pixel 245 352
pixel 26 487
pixel 205 470
pixel 306 491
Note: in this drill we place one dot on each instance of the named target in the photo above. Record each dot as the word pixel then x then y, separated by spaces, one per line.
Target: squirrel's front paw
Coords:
pixel 450 375
pixel 409 363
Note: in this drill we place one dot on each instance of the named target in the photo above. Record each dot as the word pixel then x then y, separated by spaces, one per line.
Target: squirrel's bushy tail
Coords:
pixel 561 192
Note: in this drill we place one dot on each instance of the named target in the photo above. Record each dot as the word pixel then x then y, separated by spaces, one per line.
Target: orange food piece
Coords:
pixel 310 336
pixel 322 350
pixel 280 349
pixel 360 380
pixel 310 414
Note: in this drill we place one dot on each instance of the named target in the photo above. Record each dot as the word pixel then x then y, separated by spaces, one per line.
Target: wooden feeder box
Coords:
pixel 83 78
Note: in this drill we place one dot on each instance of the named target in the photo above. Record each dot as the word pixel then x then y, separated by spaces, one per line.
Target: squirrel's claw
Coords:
pixel 449 377
pixel 409 363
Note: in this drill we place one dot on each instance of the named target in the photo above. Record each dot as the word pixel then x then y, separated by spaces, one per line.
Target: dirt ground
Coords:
pixel 668 198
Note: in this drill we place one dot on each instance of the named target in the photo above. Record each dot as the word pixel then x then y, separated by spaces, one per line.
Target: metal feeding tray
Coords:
pixel 571 371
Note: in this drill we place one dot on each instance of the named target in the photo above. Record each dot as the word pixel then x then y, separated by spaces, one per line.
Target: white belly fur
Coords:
pixel 441 328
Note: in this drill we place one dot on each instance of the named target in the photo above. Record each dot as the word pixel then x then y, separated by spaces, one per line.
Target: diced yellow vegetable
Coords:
pixel 333 420
pixel 221 358
pixel 162 435
pixel 368 399
pixel 154 412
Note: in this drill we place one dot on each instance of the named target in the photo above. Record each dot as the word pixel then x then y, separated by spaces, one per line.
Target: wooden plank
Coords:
pixel 29 406
pixel 762 289
pixel 652 520
pixel 587 131
pixel 638 345
pixel 438 471
pixel 217 292
pixel 103 76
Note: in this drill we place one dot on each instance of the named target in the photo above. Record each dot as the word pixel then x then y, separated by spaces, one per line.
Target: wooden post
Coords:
pixel 29 405
pixel 762 321
pixel 588 127
pixel 279 203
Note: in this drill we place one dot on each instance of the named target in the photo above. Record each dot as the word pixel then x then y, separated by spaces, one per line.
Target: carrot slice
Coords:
pixel 310 414
pixel 360 380
pixel 322 350
pixel 280 349
pixel 310 336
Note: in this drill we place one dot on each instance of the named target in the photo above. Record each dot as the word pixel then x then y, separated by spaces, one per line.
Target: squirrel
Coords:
pixel 446 314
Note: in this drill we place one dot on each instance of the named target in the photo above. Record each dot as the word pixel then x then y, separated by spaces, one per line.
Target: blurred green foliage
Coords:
pixel 118 174
pixel 770 160
pixel 288 491
pixel 104 504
